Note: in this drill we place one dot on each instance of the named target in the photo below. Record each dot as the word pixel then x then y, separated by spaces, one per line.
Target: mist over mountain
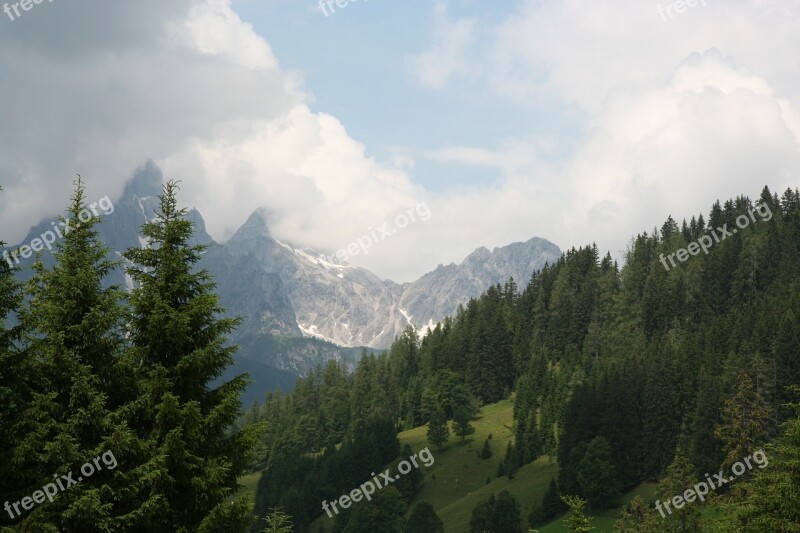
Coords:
pixel 301 307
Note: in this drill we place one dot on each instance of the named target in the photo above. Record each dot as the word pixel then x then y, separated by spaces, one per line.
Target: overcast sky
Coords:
pixel 577 121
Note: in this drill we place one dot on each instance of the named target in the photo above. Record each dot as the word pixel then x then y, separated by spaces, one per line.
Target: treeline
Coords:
pixel 89 370
pixel 614 369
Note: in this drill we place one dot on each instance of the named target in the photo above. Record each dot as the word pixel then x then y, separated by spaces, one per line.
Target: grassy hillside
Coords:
pixel 457 480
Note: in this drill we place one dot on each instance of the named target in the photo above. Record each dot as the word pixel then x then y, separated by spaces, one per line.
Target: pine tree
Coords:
pixel 577 522
pixel 179 341
pixel 278 522
pixel 461 420
pixel 15 386
pixel 423 519
pixel 746 422
pixel 384 513
pixel 770 500
pixel 597 476
pixel 438 432
pixel 550 507
pixel 680 476
pixel 638 517
pixel 73 334
pixel 482 516
pixel 506 513
pixel 510 461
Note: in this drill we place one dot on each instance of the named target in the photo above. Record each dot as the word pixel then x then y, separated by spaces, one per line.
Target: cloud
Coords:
pixel 712 130
pixel 446 59
pixel 195 88
pixel 673 116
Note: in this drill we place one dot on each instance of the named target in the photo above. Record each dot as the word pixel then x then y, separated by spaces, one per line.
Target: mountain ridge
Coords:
pixel 284 290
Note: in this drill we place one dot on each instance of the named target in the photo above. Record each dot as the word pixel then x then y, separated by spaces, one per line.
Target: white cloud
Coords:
pixel 677 114
pixel 447 59
pixel 197 90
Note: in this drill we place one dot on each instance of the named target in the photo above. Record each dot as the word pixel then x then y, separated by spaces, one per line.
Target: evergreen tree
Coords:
pixel 550 507
pixel 278 522
pixel 461 420
pixel 408 484
pixel 506 514
pixel 770 500
pixel 482 516
pixel 384 513
pixel 680 476
pixel 746 422
pixel 438 432
pixel 76 412
pixel 577 522
pixel 179 342
pixel 638 517
pixel 510 461
pixel 423 519
pixel 15 387
pixel 597 475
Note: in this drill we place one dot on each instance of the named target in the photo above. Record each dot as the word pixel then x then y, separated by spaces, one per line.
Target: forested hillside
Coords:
pixel 624 373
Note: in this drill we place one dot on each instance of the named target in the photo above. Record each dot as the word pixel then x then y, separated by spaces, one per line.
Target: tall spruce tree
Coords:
pixel 179 341
pixel 14 387
pixel 746 424
pixel 770 500
pixel 680 476
pixel 438 432
pixel 74 339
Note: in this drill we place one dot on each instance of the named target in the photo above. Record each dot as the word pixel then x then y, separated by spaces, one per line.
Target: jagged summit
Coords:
pixel 147 181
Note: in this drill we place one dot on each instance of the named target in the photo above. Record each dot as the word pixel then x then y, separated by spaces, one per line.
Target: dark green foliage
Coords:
pixel 278 522
pixel 384 513
pixel 438 432
pixel 482 516
pixel 639 517
pixel 577 522
pixel 15 386
pixel 746 422
pixel 510 462
pixel 550 507
pixel 506 513
pixel 131 387
pixel 679 477
pixel 597 476
pixel 408 484
pixel 769 501
pixel 461 420
pixel 75 407
pixel 180 347
pixel 496 515
pixel 423 519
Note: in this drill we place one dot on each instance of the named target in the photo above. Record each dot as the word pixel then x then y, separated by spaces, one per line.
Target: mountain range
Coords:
pixel 301 306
